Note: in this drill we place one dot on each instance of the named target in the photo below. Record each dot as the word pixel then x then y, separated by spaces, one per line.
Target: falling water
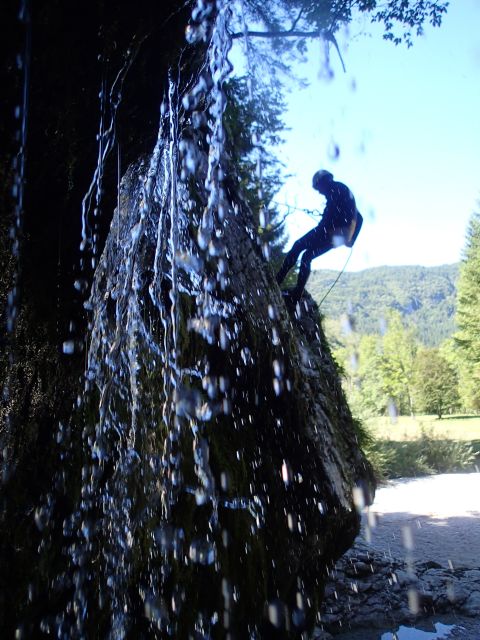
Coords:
pixel 16 227
pixel 206 503
pixel 147 400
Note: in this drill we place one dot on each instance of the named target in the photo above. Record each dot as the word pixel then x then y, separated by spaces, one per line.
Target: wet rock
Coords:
pixel 213 444
pixel 425 600
pixel 456 591
pixel 397 593
pixel 403 578
pixel 258 450
pixel 473 575
pixel 357 569
pixel 472 605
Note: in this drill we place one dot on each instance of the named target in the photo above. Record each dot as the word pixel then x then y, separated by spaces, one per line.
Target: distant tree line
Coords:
pixel 424 296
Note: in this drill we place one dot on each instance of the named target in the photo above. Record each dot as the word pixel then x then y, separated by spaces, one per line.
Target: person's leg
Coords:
pixel 290 259
pixel 305 265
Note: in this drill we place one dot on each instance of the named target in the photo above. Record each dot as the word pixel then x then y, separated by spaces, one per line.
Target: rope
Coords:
pixel 336 279
pixel 313 213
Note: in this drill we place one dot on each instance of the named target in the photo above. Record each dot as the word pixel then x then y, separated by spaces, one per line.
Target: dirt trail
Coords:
pixel 435 518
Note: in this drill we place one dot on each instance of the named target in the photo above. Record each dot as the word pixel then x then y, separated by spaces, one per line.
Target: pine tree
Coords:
pixel 253 123
pixel 467 338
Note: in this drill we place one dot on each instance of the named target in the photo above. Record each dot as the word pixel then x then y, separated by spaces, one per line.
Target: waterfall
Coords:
pixel 200 485
pixel 147 398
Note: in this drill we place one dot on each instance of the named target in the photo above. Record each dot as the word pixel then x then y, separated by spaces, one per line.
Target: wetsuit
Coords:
pixel 336 228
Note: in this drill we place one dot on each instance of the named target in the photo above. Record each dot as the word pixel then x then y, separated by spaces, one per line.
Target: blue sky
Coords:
pixel 406 122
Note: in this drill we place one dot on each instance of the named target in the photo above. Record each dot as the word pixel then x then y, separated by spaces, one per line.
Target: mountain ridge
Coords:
pixel 425 297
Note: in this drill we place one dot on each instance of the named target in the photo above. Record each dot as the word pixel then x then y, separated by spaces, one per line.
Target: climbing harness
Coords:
pixel 349 244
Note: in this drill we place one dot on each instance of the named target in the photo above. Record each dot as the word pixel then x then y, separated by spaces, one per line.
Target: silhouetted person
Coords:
pixel 340 225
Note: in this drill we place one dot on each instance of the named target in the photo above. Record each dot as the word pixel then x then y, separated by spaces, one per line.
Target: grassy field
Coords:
pixel 456 427
pixel 410 447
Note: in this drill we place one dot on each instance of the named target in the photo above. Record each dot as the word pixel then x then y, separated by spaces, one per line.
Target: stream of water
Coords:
pixel 128 348
pixel 151 538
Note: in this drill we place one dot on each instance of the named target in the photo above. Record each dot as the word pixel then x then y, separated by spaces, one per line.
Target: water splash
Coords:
pixel 188 472
pixel 16 227
pixel 134 357
pixel 110 100
pixel 19 165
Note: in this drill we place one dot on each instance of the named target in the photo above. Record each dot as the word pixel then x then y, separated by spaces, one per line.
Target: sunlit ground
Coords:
pixel 439 497
pixel 455 427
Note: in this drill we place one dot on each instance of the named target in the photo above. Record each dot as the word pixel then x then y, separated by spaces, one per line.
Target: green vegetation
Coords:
pixel 462 427
pixel 467 339
pixel 392 331
pixel 253 123
pixel 424 296
pixel 436 381
pixel 391 369
pixel 409 447
pixel 380 370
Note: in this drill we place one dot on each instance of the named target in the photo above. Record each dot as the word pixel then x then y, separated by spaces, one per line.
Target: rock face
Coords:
pixel 203 481
pixel 244 446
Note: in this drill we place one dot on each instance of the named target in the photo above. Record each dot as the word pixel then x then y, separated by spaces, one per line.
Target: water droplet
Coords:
pixel 346 324
pixel 201 497
pixel 246 355
pixel 333 150
pixel 358 498
pixel 354 361
pixel 338 240
pixel 42 517
pixel 20 633
pixel 276 613
pixel 224 483
pixel 224 339
pixel 291 521
pixel 286 472
pixel 156 611
pixel 277 386
pixel 81 285
pixel 272 312
pixel 298 618
pixel 278 368
pixel 392 411
pixel 382 324
pixel 413 601
pixel 407 538
pixel 169 538
pixel 202 552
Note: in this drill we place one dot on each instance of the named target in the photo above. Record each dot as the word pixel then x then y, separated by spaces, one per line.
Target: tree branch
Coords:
pixel 297 19
pixel 276 34
pixel 326 35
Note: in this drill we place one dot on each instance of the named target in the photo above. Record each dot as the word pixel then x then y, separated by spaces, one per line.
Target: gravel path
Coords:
pixel 420 540
pixel 434 518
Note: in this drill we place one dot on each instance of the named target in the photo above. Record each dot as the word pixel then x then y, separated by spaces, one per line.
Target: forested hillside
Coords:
pixel 425 297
